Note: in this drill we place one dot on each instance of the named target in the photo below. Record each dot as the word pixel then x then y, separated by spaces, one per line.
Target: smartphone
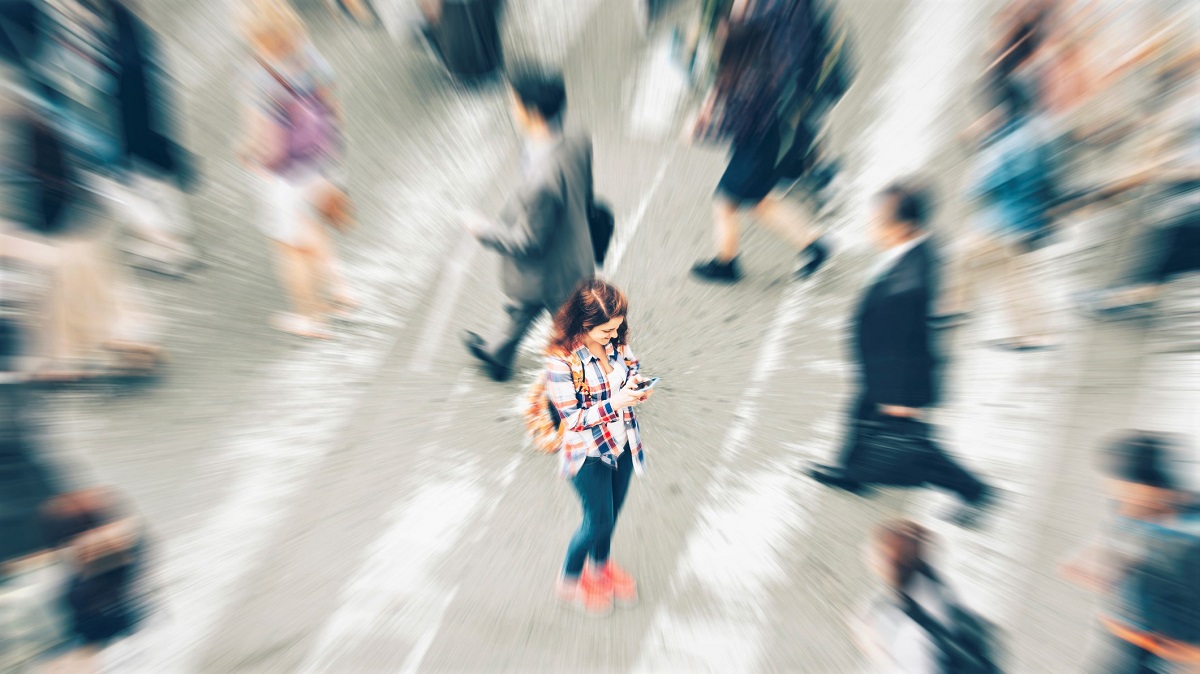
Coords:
pixel 646 383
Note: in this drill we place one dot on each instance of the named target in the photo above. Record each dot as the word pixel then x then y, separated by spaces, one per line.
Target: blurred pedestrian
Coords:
pixel 888 442
pixel 292 145
pixel 104 548
pixel 543 233
pixel 96 69
pixel 760 104
pixel 1015 187
pixel 1147 563
pixel 28 619
pixel 592 381
pixel 1166 172
pixel 464 35
pixel 89 319
pixel 919 626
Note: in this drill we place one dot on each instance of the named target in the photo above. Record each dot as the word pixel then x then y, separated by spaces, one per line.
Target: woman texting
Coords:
pixel 593 384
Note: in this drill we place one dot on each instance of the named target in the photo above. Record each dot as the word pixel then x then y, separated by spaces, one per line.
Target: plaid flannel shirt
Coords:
pixel 586 414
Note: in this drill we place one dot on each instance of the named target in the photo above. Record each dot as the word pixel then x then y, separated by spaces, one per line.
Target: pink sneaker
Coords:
pixel 593 597
pixel 617 581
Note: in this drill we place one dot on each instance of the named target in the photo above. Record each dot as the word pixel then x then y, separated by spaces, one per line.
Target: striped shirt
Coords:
pixel 587 414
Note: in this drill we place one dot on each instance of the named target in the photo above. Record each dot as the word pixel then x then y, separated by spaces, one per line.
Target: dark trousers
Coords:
pixel 934 468
pixel 602 492
pixel 1172 250
pixel 502 346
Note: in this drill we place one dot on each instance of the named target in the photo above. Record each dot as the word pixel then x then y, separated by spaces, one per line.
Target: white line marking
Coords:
pixel 627 230
pixel 718 546
pixel 395 594
pixel 412 663
pixel 274 452
pixel 445 301
pixel 657 95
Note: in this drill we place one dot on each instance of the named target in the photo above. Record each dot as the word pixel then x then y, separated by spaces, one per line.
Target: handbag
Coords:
pixel 601 224
pixel 312 131
pixel 888 449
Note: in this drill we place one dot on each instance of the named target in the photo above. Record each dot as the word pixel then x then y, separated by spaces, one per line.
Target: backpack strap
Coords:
pixel 577 375
pixel 936 630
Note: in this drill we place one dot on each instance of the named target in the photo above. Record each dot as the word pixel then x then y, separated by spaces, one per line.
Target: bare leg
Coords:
pixel 326 270
pixel 296 271
pixel 787 221
pixel 725 218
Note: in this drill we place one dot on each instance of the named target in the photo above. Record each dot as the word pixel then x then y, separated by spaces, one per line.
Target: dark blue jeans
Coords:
pixel 601 491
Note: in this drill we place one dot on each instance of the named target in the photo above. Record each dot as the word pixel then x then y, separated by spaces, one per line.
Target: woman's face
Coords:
pixel 601 335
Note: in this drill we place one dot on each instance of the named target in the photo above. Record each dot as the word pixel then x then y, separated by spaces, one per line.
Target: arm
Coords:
pixel 527 227
pixel 263 144
pixel 561 390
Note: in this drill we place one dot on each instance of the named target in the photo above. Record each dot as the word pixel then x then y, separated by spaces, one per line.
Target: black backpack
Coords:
pixel 1166 582
pixel 966 644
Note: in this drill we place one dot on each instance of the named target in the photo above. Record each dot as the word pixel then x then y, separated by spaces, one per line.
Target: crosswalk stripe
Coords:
pixel 306 399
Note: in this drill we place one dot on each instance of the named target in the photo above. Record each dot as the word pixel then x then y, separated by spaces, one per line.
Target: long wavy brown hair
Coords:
pixel 592 303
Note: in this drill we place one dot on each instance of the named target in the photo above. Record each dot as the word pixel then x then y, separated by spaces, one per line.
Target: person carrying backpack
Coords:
pixel 587 396
pixel 1147 564
pixel 919 626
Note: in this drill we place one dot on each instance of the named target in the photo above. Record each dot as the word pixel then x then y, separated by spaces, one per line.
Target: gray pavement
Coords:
pixel 368 505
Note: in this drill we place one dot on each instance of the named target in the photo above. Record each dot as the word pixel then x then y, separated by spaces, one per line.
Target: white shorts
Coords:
pixel 287 214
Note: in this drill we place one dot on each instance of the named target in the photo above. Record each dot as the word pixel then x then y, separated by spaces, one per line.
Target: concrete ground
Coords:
pixel 367 504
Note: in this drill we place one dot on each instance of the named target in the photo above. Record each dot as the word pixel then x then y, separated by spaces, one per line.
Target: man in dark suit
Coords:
pixel 893 344
pixel 543 232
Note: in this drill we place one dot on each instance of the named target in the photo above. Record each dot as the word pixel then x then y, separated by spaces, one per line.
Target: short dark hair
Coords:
pixel 911 203
pixel 540 92
pixel 1142 458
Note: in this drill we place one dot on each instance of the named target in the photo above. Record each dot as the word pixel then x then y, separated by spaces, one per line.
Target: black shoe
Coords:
pixel 816 254
pixel 968 515
pixel 715 270
pixel 497 371
pixel 833 477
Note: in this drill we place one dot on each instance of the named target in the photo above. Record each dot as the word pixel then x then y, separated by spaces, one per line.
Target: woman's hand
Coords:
pixel 900 411
pixel 629 396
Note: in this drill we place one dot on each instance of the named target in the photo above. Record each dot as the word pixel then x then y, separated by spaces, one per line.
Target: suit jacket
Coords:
pixel 893 343
pixel 543 231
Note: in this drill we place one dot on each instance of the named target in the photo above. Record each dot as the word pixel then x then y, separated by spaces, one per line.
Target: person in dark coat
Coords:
pixel 894 348
pixel 543 233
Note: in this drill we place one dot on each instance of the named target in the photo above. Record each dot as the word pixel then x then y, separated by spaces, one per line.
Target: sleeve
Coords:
pixel 527 226
pixel 561 390
pixel 631 362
